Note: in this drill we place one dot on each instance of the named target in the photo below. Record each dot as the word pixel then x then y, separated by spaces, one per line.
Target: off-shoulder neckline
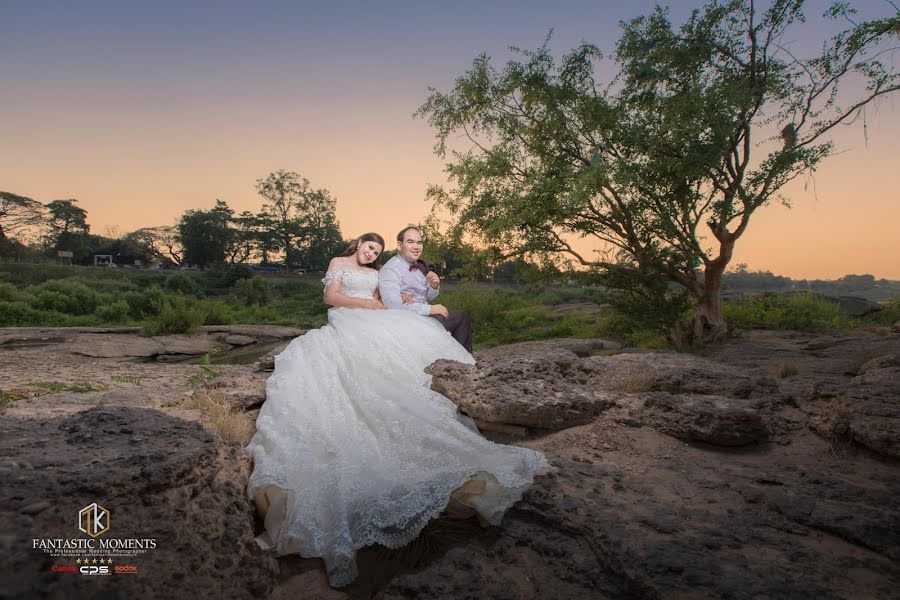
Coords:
pixel 352 269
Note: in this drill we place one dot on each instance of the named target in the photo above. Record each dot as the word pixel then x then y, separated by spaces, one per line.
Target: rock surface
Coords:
pixel 161 477
pixel 689 397
pixel 650 498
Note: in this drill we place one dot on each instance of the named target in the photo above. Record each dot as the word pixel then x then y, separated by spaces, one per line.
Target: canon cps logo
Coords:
pixel 93 520
pixel 92 570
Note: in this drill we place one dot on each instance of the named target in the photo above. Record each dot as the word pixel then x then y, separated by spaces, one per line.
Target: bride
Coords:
pixel 352 448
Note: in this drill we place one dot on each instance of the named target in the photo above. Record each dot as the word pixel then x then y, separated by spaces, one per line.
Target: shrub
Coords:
pixel 253 291
pixel 66 296
pixel 9 293
pixel 802 310
pixel 115 312
pixel 182 283
pixel 233 274
pixel 888 316
pixel 22 314
pixel 177 316
pixel 215 312
pixel 148 303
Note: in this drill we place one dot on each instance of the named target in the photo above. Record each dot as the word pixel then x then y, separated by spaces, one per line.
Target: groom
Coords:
pixel 406 273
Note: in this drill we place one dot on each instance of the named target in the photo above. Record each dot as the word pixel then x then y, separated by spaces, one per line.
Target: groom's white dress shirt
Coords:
pixel 395 277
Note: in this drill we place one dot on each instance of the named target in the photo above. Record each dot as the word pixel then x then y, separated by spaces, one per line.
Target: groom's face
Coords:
pixel 410 247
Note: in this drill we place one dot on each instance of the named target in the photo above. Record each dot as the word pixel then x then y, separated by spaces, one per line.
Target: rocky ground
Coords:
pixel 767 467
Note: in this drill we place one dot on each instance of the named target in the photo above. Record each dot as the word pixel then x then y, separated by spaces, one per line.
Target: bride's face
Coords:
pixel 367 252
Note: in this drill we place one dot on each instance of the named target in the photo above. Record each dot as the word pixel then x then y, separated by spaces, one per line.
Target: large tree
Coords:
pixel 18 213
pixel 320 235
pixel 282 190
pixel 667 163
pixel 206 235
pixel 68 229
pixel 161 243
pixel 302 217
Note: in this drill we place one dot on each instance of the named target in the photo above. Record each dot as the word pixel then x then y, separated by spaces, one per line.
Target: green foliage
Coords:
pixel 205 235
pixel 22 314
pixel 182 283
pixel 205 373
pixel 65 296
pixel 889 314
pixel 146 303
pixel 253 291
pixel 802 311
pixel 657 166
pixel 115 312
pixel 216 312
pixel 180 314
pixel 234 274
pixel 55 388
pixel 127 379
pixel 9 293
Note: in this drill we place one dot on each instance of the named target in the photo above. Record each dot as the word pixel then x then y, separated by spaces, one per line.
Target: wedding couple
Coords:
pixel 352 448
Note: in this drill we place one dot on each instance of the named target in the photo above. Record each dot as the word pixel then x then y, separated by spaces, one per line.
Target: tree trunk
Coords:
pixel 709 320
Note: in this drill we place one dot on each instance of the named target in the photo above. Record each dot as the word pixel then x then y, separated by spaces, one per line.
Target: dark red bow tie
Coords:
pixel 418 266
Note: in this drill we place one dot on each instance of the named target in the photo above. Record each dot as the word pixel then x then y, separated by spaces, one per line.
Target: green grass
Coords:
pixel 800 311
pixel 55 388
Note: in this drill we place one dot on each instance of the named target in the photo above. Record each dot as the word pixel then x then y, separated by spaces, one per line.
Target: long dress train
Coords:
pixel 352 448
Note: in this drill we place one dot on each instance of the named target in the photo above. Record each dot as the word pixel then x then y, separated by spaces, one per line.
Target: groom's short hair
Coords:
pixel 404 230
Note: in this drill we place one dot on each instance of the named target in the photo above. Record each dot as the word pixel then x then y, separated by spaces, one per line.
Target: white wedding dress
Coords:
pixel 352 448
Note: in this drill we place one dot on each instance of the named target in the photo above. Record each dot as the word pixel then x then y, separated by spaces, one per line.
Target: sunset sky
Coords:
pixel 144 110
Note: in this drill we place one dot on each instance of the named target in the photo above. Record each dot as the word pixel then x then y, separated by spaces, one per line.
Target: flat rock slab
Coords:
pixel 115 346
pixel 189 344
pixel 160 477
pixel 271 332
pixel 239 340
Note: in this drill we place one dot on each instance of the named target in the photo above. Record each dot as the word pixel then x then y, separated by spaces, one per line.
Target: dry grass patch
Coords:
pixel 231 425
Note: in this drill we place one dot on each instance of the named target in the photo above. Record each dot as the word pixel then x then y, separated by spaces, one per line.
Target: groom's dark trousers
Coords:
pixel 459 325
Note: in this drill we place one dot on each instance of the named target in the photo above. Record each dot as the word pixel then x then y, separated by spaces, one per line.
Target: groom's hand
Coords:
pixel 439 309
pixel 433 279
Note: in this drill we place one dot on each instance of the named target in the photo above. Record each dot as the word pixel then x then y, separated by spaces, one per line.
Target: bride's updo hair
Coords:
pixel 366 237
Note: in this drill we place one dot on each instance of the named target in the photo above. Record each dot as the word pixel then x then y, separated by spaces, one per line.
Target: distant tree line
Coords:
pixel 296 227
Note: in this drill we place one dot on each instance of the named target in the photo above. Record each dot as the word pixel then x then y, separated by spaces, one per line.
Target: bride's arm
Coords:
pixel 334 297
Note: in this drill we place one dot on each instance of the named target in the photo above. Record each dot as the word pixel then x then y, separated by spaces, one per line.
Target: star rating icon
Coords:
pixel 88 561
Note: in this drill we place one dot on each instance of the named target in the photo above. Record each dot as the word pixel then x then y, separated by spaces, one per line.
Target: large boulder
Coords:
pixel 160 478
pixel 534 391
pixel 551 387
pixel 717 420
pixel 866 410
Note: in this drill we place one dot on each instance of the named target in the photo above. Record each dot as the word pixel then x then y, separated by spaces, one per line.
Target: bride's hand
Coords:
pixel 406 297
pixel 375 304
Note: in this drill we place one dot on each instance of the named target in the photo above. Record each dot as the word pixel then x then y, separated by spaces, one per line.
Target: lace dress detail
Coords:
pixel 352 448
pixel 355 283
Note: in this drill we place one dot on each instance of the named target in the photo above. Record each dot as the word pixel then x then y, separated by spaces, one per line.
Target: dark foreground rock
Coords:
pixel 159 476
